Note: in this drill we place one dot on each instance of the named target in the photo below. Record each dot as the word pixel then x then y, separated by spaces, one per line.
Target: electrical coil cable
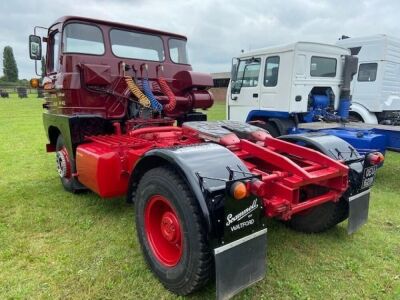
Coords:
pixel 167 91
pixel 147 90
pixel 143 100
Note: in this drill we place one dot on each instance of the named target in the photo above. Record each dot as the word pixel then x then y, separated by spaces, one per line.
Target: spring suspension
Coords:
pixel 143 100
pixel 167 91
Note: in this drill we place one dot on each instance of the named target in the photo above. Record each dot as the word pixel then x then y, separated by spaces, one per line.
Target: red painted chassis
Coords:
pixel 289 174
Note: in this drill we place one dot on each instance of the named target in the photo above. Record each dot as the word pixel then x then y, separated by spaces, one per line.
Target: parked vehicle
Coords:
pixel 291 88
pixel 376 88
pixel 202 190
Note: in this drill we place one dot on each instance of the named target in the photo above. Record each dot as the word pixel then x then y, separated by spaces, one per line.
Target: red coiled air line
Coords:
pixel 168 92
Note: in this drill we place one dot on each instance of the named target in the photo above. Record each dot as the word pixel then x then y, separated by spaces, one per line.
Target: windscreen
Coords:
pixel 83 38
pixel 131 44
pixel 247 74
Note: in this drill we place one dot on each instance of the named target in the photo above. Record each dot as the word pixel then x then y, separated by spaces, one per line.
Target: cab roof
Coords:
pixel 65 19
pixel 303 46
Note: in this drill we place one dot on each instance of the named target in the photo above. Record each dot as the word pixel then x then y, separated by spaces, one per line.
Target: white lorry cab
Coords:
pixel 376 88
pixel 271 85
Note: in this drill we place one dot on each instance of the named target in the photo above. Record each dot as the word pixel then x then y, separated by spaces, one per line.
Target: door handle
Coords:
pixel 255 95
pixel 234 98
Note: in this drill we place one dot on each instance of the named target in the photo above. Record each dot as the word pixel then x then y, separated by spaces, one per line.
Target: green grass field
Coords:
pixel 57 245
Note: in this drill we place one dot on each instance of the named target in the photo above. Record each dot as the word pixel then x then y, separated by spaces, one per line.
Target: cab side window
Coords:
pixel 271 71
pixel 53 57
pixel 367 72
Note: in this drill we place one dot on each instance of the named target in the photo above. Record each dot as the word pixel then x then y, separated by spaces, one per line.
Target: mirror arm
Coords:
pixel 34 32
pixel 37 27
pixel 36 69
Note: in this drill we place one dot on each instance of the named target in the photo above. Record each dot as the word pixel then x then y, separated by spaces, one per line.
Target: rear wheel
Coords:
pixel 271 128
pixel 171 231
pixel 320 218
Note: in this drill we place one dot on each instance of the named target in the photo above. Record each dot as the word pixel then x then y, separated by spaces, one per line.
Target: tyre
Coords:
pixel 271 128
pixel 354 117
pixel 320 218
pixel 64 167
pixel 171 232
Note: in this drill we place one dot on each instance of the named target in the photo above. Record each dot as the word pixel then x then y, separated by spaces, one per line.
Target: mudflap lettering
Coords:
pixel 240 264
pixel 358 211
pixel 240 255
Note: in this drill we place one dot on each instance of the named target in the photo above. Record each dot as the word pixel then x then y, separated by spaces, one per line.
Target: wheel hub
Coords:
pixel 163 231
pixel 170 227
pixel 63 164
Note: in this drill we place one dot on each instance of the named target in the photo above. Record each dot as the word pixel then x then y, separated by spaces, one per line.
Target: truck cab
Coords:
pixel 95 51
pixel 376 88
pixel 278 81
pixel 87 64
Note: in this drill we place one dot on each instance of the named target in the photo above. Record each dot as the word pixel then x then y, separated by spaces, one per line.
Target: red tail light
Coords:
pixel 375 158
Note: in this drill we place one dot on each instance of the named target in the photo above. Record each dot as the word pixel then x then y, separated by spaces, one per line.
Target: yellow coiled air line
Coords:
pixel 143 100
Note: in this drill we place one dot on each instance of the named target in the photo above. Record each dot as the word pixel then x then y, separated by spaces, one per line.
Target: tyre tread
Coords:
pixel 204 268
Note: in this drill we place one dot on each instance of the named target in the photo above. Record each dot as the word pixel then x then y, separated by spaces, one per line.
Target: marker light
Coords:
pixel 238 190
pixel 34 83
pixel 375 158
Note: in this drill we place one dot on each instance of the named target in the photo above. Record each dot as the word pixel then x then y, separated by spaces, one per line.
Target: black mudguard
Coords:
pixel 357 195
pixel 74 128
pixel 237 232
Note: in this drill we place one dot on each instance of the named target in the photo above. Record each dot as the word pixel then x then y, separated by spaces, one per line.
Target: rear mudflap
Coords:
pixel 240 252
pixel 240 264
pixel 358 211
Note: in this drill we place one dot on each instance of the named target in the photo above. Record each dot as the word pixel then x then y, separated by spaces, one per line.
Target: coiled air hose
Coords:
pixel 147 90
pixel 167 91
pixel 143 100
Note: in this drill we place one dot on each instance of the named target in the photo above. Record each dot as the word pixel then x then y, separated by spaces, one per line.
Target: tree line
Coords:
pixel 10 68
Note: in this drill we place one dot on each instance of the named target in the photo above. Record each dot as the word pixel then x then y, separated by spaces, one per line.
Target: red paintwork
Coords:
pixel 105 163
pixel 163 230
pixel 106 71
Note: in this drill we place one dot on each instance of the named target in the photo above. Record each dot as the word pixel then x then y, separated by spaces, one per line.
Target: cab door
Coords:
pixel 271 98
pixel 244 89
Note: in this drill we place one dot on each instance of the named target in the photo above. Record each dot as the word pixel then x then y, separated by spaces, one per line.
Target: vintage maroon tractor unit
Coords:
pixel 120 114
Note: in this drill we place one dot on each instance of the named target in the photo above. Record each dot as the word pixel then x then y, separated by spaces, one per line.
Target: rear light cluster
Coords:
pixel 375 158
pixel 239 190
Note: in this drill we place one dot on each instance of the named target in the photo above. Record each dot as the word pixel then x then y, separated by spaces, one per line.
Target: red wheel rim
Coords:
pixel 163 231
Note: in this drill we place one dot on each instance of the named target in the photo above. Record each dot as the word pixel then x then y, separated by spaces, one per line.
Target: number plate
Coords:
pixel 369 176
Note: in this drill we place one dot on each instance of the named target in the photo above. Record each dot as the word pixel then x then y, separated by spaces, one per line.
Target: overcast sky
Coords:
pixel 216 30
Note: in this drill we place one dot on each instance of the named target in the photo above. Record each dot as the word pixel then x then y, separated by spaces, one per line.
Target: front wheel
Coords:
pixel 171 231
pixel 64 167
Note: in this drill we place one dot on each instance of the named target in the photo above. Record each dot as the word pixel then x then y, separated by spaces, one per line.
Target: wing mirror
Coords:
pixel 35 47
pixel 234 69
